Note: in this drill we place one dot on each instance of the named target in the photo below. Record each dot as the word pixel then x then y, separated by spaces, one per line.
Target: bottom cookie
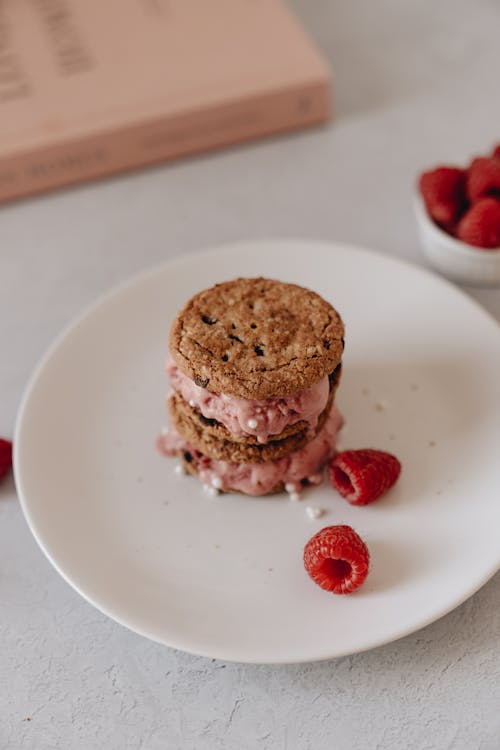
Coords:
pixel 257 479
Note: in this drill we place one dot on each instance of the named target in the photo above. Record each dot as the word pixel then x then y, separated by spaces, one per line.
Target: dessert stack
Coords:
pixel 253 369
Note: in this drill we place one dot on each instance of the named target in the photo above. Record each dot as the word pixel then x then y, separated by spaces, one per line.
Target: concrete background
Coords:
pixel 416 84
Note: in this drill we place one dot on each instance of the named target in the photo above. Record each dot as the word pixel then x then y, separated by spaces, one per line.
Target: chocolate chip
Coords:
pixel 253 325
pixel 187 456
pixel 335 375
pixel 235 338
pixel 201 382
pixel 225 358
pixel 326 343
pixel 259 351
pixel 206 421
pixel 208 321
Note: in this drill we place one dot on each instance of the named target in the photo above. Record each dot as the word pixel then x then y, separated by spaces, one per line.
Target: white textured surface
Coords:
pixel 416 83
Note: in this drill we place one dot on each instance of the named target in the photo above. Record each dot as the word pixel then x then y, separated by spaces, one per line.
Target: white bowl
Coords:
pixel 453 258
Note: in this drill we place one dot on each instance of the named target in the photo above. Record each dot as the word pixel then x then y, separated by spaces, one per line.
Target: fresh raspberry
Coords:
pixel 5 457
pixel 443 191
pixel 337 559
pixel 483 178
pixel 480 226
pixel 362 476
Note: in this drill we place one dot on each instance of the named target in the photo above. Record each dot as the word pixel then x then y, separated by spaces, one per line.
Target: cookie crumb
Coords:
pixel 212 491
pixel 314 512
pixel 315 479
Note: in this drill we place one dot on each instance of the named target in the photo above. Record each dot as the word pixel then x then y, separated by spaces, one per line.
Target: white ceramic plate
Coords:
pixel 223 577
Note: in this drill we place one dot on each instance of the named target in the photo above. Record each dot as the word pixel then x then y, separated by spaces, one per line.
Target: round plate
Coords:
pixel 223 576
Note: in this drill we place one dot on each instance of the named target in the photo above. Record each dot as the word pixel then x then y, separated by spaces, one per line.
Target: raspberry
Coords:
pixel 443 191
pixel 483 178
pixel 481 224
pixel 337 559
pixel 362 476
pixel 5 457
pixel 496 152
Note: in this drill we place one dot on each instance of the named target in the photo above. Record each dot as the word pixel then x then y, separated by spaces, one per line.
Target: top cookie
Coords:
pixel 257 338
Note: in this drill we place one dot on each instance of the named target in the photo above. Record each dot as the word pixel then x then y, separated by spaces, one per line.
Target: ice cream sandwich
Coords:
pixel 253 368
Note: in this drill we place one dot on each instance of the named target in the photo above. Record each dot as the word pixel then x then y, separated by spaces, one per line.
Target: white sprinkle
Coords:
pixel 213 491
pixel 217 483
pixel 290 487
pixel 164 431
pixel 313 512
pixel 192 403
pixel 315 479
pixel 179 470
pixel 252 424
pixel 294 497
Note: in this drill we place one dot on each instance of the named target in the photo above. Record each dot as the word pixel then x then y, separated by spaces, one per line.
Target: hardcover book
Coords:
pixel 89 88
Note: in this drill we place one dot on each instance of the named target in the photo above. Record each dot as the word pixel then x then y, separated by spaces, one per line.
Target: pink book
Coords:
pixel 93 87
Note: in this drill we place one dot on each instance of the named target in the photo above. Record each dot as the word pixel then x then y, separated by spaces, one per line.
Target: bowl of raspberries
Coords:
pixel 458 218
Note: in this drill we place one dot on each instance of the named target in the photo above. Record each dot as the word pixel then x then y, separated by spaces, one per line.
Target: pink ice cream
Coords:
pixel 244 417
pixel 260 478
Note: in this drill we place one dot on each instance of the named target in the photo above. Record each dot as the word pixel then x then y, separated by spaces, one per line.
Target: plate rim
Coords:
pixel 138 278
